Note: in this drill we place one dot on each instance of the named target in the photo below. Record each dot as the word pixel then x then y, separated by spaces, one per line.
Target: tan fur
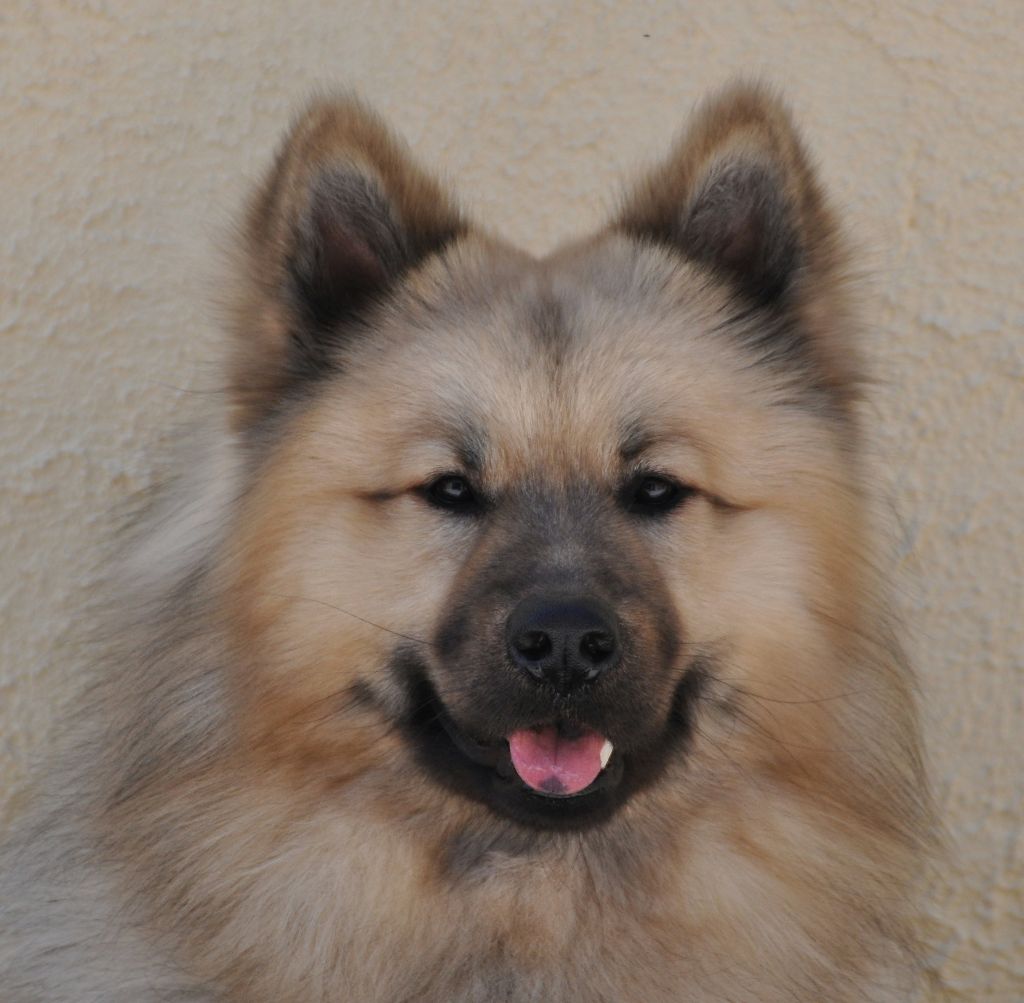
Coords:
pixel 258 823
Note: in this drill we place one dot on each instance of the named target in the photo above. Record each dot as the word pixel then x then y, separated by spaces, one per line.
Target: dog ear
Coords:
pixel 737 194
pixel 342 216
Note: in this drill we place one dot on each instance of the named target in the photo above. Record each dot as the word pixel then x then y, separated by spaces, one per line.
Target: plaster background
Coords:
pixel 130 130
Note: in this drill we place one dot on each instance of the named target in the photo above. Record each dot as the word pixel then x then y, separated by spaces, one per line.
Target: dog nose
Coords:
pixel 563 641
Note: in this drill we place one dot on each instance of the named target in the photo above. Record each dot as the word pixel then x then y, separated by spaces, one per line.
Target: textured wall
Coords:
pixel 130 129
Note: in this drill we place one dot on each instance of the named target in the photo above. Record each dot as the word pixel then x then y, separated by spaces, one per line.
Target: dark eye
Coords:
pixel 453 492
pixel 650 494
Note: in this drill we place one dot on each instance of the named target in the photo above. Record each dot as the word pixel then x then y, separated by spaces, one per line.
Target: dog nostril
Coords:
pixel 596 646
pixel 533 644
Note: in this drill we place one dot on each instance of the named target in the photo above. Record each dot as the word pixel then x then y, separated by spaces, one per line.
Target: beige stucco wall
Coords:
pixel 130 129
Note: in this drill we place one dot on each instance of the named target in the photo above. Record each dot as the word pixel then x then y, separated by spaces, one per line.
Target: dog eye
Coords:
pixel 650 494
pixel 453 492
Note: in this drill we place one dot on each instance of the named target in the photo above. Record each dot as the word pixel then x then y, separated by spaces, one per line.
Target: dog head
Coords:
pixel 547 533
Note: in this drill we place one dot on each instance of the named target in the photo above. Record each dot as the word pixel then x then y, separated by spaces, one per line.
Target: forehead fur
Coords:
pixel 569 366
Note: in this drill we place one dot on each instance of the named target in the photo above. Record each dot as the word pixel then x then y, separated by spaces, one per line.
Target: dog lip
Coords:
pixel 484 753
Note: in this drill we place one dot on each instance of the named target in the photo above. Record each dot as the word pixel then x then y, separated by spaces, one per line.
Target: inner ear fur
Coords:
pixel 738 195
pixel 343 214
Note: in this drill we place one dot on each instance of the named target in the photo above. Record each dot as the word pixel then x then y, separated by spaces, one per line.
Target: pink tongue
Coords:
pixel 553 764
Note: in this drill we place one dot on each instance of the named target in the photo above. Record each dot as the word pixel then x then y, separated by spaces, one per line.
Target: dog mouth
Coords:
pixel 553 775
pixel 558 760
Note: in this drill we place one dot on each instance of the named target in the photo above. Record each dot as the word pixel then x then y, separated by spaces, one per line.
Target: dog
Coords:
pixel 518 630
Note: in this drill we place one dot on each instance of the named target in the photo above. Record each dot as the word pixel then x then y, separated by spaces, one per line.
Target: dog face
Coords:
pixel 527 540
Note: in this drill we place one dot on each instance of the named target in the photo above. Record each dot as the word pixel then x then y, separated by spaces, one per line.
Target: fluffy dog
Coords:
pixel 516 634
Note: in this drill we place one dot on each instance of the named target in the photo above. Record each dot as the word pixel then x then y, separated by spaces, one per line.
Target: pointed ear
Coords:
pixel 737 194
pixel 342 217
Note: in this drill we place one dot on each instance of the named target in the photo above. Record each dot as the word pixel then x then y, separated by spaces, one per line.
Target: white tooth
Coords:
pixel 606 753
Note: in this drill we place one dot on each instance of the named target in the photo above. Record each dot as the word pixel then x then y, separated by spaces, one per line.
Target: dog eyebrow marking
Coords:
pixel 638 438
pixel 468 443
pixel 635 441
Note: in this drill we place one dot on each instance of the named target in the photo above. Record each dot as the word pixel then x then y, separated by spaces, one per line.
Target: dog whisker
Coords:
pixel 345 612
